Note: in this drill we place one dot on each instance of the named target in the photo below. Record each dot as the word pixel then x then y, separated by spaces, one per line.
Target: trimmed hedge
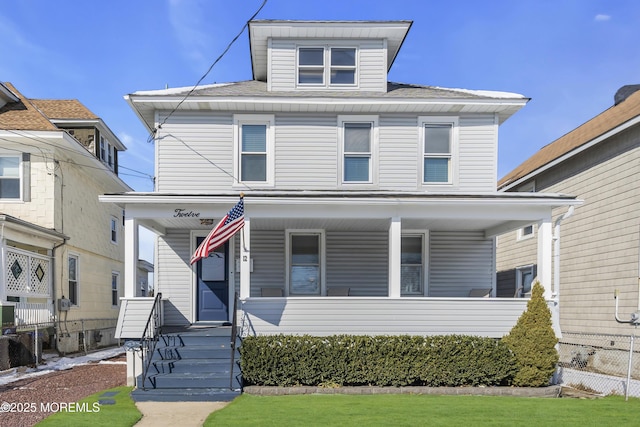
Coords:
pixel 348 360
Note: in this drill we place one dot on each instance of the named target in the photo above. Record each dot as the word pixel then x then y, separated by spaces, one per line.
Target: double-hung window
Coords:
pixel 114 230
pixel 305 262
pixel 254 149
pixel 10 177
pixel 327 66
pixel 358 149
pixel 73 279
pixel 439 141
pixel 412 265
pixel 115 278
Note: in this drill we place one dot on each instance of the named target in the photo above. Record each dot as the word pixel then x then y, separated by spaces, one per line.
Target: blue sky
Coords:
pixel 569 56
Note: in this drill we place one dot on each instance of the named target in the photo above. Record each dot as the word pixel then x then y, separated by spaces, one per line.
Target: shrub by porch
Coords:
pixel 344 360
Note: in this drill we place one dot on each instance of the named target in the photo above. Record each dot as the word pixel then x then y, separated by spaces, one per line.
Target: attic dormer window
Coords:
pixel 319 65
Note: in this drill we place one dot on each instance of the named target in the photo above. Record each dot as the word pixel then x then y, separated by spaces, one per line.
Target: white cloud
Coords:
pixel 602 17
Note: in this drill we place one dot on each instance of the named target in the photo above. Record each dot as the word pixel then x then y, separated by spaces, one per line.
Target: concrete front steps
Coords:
pixel 189 365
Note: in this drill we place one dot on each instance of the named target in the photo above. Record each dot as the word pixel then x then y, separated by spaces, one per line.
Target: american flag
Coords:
pixel 226 228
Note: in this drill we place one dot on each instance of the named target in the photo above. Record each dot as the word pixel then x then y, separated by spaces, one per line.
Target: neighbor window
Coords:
pixel 412 282
pixel 114 230
pixel 9 177
pixel 305 263
pixel 313 69
pixel 526 231
pixel 255 156
pixel 524 279
pixel 73 279
pixel 114 288
pixel 103 149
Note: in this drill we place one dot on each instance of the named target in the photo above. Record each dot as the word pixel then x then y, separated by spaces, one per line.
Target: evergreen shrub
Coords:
pixel 532 341
pixel 353 360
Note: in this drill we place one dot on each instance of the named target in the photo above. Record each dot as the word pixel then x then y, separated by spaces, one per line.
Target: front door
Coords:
pixel 212 274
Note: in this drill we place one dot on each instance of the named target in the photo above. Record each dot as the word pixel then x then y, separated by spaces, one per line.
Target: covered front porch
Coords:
pixel 325 263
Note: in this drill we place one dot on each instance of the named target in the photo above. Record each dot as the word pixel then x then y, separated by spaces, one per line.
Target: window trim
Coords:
pixel 322 245
pixel 114 230
pixel 75 256
pixel 22 182
pixel 424 234
pixel 327 67
pixel 253 119
pixel 373 150
pixel 116 275
pixel 453 153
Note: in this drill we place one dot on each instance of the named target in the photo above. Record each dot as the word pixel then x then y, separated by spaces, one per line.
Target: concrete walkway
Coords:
pixel 183 414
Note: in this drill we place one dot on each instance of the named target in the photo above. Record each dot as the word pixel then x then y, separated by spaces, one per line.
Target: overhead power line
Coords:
pixel 155 130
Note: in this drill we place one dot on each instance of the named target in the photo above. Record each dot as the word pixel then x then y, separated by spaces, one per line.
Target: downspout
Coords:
pixel 555 295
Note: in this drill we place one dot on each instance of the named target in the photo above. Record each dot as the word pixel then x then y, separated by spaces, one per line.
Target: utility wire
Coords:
pixel 155 130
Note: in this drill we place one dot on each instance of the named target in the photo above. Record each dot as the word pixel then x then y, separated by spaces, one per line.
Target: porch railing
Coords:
pixel 27 313
pixel 234 335
pixel 150 337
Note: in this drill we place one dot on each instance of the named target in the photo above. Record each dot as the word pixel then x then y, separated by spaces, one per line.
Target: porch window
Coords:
pixel 73 279
pixel 10 177
pixel 254 148
pixel 412 282
pixel 438 147
pixel 305 263
pixel 115 278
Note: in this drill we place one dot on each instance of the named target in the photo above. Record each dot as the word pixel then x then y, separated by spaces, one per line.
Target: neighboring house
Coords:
pixel 62 250
pixel 144 289
pixel 599 162
pixel 370 206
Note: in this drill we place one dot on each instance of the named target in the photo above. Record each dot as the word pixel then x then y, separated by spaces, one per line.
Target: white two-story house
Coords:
pixel 370 206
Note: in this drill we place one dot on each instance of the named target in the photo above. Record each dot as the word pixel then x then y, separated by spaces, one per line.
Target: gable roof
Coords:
pixel 571 143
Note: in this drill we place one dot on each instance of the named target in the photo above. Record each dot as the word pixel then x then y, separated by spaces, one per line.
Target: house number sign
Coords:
pixel 183 213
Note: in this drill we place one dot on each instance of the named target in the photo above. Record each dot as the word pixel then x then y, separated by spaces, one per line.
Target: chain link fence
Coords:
pixel 600 363
pixel 23 345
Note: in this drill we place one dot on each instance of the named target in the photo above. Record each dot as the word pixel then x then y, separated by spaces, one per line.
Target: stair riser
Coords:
pixel 193 353
pixel 172 395
pixel 179 367
pixel 196 340
pixel 194 383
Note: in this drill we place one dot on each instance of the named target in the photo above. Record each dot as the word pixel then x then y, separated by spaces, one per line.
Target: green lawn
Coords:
pixel 412 410
pixel 121 412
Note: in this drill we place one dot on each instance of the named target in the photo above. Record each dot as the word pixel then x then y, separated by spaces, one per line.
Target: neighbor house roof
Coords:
pixel 37 114
pixel 597 127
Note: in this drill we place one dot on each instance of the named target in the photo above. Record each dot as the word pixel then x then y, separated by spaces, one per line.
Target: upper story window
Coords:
pixel 439 144
pixel 103 148
pixel 358 149
pixel 254 148
pixel 322 66
pixel 10 177
pixel 114 230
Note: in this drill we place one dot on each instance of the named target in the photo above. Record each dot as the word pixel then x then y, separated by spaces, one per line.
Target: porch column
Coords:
pixel 395 247
pixel 130 257
pixel 245 259
pixel 545 255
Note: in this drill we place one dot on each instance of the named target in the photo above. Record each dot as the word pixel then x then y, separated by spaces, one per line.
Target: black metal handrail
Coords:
pixel 234 327
pixel 150 336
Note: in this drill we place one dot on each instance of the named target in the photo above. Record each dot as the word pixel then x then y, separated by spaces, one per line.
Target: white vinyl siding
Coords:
pixel 458 262
pixel 195 153
pixel 268 248
pixel 359 261
pixel 174 276
pixel 371 73
pixel 307 154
